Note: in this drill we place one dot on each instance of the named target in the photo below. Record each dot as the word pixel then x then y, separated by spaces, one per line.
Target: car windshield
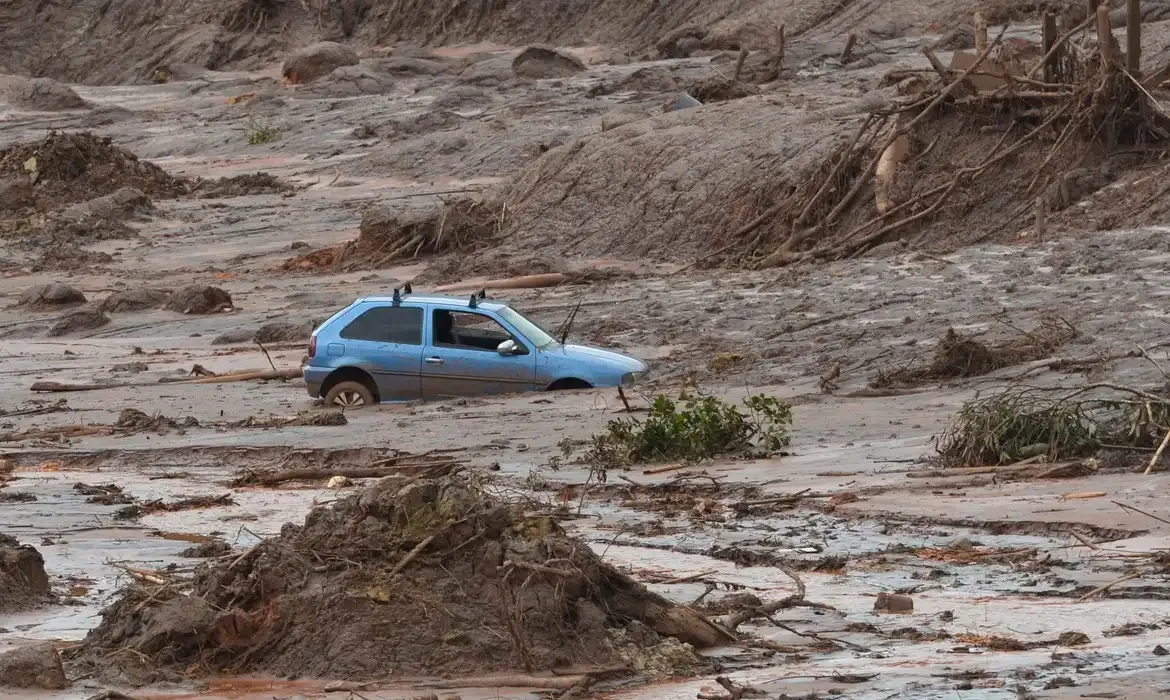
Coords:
pixel 537 335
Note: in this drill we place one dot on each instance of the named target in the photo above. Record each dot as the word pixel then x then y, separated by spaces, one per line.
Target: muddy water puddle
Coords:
pixel 911 669
pixel 84 545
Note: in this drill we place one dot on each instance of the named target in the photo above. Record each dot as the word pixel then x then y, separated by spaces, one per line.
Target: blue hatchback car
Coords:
pixel 409 347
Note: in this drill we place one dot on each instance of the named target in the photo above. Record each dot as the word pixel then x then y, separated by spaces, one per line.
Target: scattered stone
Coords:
pixel 316 61
pixel 893 603
pixel 79 321
pixel 52 295
pixel 544 62
pixel 44 94
pixel 962 544
pixel 135 300
pixel 1073 639
pixel 1161 651
pixel 34 666
pixel 198 299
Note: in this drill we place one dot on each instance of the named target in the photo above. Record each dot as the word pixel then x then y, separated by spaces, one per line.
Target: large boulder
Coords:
pixel 541 62
pixel 50 296
pixel 352 81
pixel 122 203
pixel 318 60
pixel 34 666
pixel 23 581
pixel 78 321
pixel 681 42
pixel 198 299
pixel 43 94
pixel 140 299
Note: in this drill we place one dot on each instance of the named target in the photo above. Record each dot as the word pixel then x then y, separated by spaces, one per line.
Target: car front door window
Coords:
pixel 470 331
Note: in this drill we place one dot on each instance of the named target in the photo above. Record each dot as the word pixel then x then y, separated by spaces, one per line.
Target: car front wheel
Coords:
pixel 349 395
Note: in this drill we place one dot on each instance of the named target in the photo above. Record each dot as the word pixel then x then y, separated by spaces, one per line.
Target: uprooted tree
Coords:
pixel 414 576
pixel 1056 423
pixel 954 153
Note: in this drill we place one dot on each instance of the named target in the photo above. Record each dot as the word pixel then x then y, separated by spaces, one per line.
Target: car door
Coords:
pixel 387 342
pixel 460 357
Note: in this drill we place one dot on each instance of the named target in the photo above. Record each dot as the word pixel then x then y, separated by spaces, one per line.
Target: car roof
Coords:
pixel 440 300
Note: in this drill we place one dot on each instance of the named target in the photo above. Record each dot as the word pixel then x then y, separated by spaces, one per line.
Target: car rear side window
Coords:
pixel 387 324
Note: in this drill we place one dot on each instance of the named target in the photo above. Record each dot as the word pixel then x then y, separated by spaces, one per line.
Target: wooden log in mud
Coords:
pixel 434 468
pixel 550 279
pixel 251 375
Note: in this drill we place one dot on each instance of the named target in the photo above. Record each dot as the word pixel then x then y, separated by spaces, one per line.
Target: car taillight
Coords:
pixel 312 346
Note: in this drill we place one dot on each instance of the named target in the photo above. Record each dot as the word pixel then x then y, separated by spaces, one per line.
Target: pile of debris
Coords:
pixel 67 168
pixel 409 576
pixel 388 234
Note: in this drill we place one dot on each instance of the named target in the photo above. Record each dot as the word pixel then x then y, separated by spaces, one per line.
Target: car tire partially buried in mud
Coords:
pixel 350 395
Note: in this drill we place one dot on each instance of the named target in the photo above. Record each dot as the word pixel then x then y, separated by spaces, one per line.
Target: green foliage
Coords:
pixel 259 133
pixel 701 428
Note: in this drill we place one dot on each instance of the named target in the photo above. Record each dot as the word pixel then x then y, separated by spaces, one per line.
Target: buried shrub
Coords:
pixel 1023 422
pixel 700 429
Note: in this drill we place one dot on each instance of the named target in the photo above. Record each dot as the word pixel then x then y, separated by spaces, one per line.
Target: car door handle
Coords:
pixel 434 360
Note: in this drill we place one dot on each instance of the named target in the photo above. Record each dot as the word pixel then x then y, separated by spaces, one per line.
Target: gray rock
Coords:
pixel 35 666
pixel 543 62
pixel 317 61
pixel 52 295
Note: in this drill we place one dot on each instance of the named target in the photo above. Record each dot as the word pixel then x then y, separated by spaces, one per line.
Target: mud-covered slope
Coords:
pixel 125 41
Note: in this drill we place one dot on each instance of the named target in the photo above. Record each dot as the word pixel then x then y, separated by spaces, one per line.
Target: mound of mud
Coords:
pixel 388 234
pixel 542 62
pixel 242 185
pixel 50 296
pixel 351 81
pixel 42 94
pixel 645 190
pixel 136 300
pixel 23 581
pixel 67 168
pixel 409 576
pixel 317 61
pixel 198 299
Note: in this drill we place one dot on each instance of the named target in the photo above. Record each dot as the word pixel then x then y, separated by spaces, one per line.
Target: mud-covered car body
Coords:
pixel 411 347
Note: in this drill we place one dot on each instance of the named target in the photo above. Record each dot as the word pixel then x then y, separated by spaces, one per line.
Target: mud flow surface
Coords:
pixel 897 271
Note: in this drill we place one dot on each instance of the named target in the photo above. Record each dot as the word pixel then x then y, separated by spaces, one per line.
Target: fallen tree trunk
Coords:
pixel 550 279
pixel 250 375
pixel 436 469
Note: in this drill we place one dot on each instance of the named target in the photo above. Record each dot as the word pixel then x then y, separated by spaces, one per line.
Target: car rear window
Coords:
pixel 387 324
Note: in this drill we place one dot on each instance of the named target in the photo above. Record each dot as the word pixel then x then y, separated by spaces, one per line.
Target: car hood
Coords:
pixel 595 356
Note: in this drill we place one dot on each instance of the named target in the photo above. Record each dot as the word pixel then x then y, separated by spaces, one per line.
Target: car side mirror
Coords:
pixel 508 347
